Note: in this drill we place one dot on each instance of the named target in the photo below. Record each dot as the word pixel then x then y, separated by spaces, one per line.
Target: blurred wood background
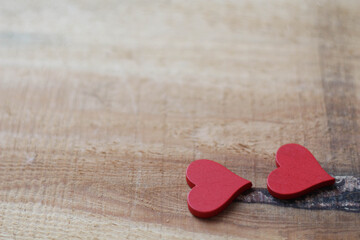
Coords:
pixel 103 104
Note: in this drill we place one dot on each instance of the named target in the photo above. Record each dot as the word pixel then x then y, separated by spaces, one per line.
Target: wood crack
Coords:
pixel 344 195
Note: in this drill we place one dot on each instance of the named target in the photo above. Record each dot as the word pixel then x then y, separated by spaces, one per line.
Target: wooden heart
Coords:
pixel 214 187
pixel 298 173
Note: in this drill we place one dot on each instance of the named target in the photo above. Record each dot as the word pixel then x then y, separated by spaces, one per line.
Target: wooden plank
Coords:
pixel 103 104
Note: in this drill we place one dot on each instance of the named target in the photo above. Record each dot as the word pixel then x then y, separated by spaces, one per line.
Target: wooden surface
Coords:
pixel 103 104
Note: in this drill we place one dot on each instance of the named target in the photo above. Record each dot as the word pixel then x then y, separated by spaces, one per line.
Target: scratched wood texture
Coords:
pixel 103 104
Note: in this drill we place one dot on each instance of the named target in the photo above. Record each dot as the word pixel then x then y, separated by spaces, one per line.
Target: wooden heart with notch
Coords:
pixel 214 187
pixel 298 173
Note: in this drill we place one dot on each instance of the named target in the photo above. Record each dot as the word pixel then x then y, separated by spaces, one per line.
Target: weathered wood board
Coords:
pixel 103 104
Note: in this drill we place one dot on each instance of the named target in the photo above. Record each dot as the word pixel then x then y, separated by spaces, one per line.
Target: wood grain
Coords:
pixel 103 104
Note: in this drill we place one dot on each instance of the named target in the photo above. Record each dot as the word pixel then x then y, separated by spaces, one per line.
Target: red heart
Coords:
pixel 298 173
pixel 214 187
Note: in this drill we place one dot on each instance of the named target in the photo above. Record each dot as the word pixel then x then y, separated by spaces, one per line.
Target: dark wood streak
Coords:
pixel 344 195
pixel 339 88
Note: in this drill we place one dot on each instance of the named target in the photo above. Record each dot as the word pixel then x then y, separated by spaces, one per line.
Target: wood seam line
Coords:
pixel 344 195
